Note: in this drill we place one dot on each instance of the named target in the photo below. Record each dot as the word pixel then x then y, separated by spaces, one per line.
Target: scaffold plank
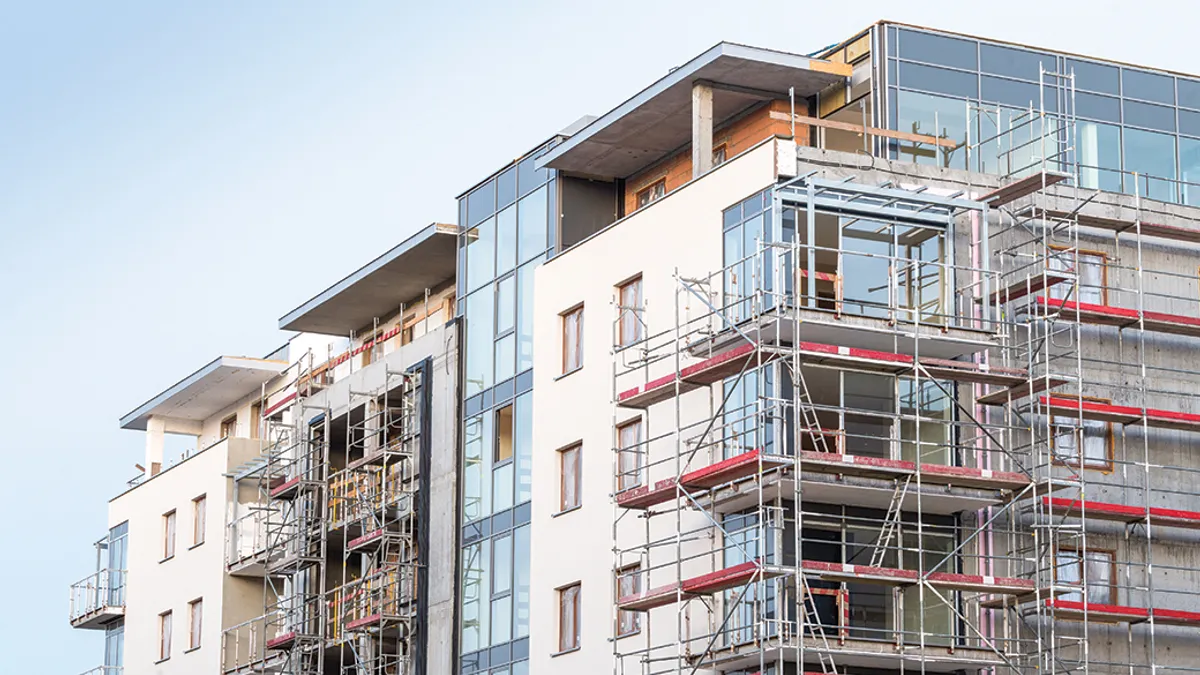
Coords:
pixel 282 641
pixel 892 576
pixel 938 474
pixel 727 578
pixel 1023 287
pixel 1122 513
pixel 1120 414
pixel 704 478
pixel 1011 192
pixel 645 496
pixel 1158 230
pixel 660 596
pixel 1023 390
pixel 286 489
pixel 1123 317
pixel 706 372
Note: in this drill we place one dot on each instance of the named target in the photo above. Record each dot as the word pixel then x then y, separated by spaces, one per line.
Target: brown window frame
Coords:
pixel 565 320
pixel 195 623
pixel 1103 269
pixel 199 519
pixel 574 592
pixel 577 450
pixel 1080 554
pixel 1081 460
pixel 170 527
pixel 651 193
pixel 229 426
pixel 629 622
pixel 624 480
pixel 631 316
pixel 721 150
pixel 164 635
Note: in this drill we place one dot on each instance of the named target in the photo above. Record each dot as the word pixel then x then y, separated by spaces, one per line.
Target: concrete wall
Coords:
pixel 682 230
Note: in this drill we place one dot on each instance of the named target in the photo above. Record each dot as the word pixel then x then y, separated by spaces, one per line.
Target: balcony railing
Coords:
pixel 104 670
pixel 98 598
pixel 246 537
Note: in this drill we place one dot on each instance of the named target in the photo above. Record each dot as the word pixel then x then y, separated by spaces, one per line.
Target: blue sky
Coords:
pixel 176 176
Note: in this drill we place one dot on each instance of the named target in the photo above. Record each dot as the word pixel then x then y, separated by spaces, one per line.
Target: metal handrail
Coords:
pixel 104 588
pixel 104 670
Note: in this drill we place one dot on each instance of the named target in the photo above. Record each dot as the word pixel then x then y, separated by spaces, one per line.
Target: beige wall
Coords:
pixel 683 230
pixel 155 585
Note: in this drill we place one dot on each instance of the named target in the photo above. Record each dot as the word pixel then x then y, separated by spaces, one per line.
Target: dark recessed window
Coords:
pixel 1147 86
pixel 939 80
pixel 1014 62
pixel 1095 77
pixel 938 49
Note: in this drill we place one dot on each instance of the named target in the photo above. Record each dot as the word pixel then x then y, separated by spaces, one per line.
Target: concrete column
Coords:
pixel 156 429
pixel 702 129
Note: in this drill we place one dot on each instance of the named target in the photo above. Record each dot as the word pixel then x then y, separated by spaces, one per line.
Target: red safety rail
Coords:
pixel 727 363
pixel 1123 317
pixel 705 478
pixel 842 572
pixel 1161 517
pixel 1079 609
pixel 704 584
pixel 1120 414
pixel 365 540
pixel 282 641
pixel 937 474
pixel 279 405
pixel 285 489
pixel 1130 226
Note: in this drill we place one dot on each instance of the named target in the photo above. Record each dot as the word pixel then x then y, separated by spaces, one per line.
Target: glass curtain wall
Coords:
pixel 506 231
pixel 1137 130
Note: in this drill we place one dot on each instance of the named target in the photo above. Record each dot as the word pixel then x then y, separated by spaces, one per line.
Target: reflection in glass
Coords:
pixel 506 240
pixel 477 460
pixel 481 254
pixel 505 357
pixel 480 331
pixel 506 187
pixel 525 316
pixel 505 305
pixel 481 203
pixel 476 610
pixel 1014 62
pixel 1099 156
pixel 1189 167
pixel 1152 156
pixel 929 440
pixel 937 116
pixel 532 223
pixel 940 80
pixel 1147 86
pixel 521 565
pixel 938 49
pixel 523 445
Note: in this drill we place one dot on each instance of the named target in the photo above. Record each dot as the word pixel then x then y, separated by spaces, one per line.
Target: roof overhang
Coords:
pixel 207 391
pixel 424 260
pixel 658 121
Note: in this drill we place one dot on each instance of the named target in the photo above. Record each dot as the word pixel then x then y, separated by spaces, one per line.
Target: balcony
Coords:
pixel 246 544
pixel 105 670
pixel 98 599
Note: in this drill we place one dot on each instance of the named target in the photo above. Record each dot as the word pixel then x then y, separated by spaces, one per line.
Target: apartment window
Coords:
pixel 195 618
pixel 199 505
pixel 1091 267
pixel 572 341
pixel 568 618
pixel 629 455
pixel 1086 444
pixel 653 193
pixel 631 325
pixel 168 535
pixel 229 427
pixel 504 434
pixel 629 583
pixel 718 157
pixel 569 484
pixel 164 636
pixel 1092 570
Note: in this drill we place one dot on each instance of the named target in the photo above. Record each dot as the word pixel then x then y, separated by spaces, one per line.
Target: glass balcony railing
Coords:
pixel 96 594
pixel 246 538
pixel 104 670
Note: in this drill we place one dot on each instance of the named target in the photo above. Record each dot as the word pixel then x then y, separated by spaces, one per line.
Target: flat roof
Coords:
pixel 424 260
pixel 199 396
pixel 658 120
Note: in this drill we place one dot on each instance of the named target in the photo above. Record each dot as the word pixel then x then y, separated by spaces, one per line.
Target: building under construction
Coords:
pixel 867 361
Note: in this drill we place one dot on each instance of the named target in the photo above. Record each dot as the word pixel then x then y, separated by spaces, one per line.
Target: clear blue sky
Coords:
pixel 176 176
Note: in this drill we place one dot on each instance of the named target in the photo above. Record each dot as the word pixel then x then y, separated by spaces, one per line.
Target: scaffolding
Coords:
pixel 875 439
pixel 332 527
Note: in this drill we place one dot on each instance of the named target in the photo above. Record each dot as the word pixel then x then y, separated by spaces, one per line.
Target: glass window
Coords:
pixel 1090 267
pixel 481 203
pixel 477 463
pixel 506 305
pixel 1147 86
pixel 1092 570
pixel 629 584
pixel 476 612
pixel 523 446
pixel 502 564
pixel 480 331
pixel 502 487
pixel 521 565
pixel 195 620
pixel 481 254
pixel 506 240
pixel 1152 116
pixel 1189 167
pixel 531 226
pixel 506 355
pixel 651 194
pixel 631 326
pixel 529 177
pixel 506 187
pixel 940 80
pixel 199 506
pixel 938 49
pixel 1020 94
pixel 1014 62
pixel 504 434
pixel 572 340
pixel 168 534
pixel 917 113
pixel 1189 93
pixel 525 317
pixel 1099 156
pixel 629 461
pixel 1096 450
pixel 568 618
pixel 568 461
pixel 1095 77
pixel 1104 108
pixel 1152 156
pixel 501 620
pixel 164 636
pixel 114 646
pixel 1189 122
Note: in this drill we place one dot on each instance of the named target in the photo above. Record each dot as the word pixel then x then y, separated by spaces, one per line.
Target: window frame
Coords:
pixel 228 427
pixel 574 591
pixel 638 479
pixel 170 525
pixel 164 636
pixel 1081 461
pixel 1102 255
pixel 565 320
pixel 721 151
pixel 496 413
pixel 195 623
pixel 651 193
pixel 1080 555
pixel 199 519
pixel 635 315
pixel 628 572
pixel 577 449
